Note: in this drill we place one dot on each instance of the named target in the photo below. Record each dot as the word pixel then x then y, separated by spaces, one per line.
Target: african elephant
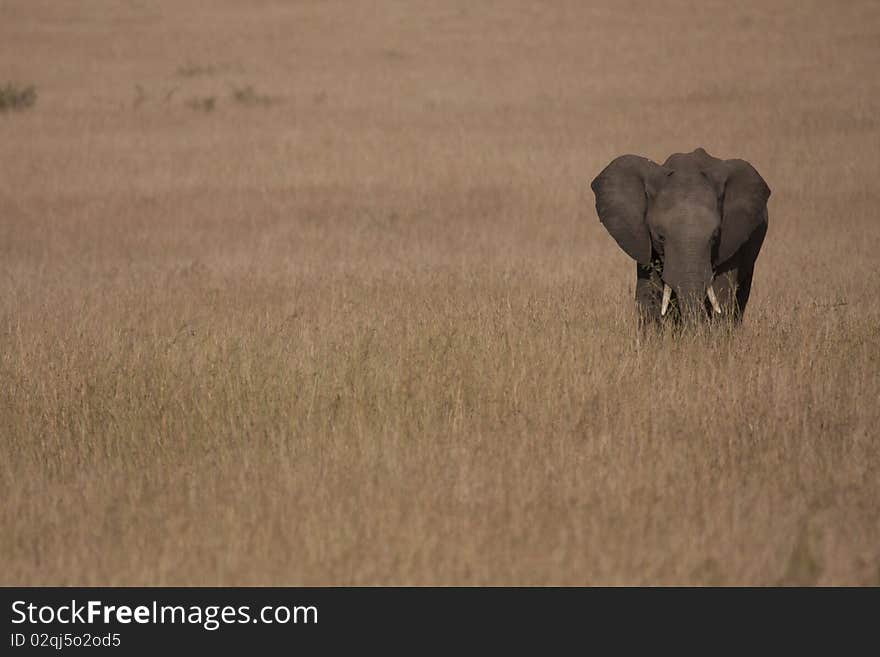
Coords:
pixel 694 225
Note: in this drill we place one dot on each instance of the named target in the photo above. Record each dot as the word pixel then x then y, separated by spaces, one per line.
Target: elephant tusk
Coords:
pixel 713 299
pixel 667 295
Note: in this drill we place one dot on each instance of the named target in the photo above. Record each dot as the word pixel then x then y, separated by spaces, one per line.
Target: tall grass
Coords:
pixel 383 338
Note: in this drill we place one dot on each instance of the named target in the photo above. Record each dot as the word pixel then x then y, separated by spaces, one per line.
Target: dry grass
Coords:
pixel 371 332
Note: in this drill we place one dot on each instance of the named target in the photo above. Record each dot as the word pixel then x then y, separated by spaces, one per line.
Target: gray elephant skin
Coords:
pixel 694 225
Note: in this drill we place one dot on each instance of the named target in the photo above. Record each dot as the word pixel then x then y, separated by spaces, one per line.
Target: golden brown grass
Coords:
pixel 360 324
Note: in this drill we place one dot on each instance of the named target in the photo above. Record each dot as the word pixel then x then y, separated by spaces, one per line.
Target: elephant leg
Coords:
pixel 733 284
pixel 649 293
pixel 746 269
pixel 732 289
pixel 743 290
pixel 725 286
pixel 749 254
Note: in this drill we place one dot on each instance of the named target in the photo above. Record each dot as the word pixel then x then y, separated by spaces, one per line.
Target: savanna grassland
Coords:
pixel 307 293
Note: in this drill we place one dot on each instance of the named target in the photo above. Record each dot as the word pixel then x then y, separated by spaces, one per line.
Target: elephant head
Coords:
pixel 690 215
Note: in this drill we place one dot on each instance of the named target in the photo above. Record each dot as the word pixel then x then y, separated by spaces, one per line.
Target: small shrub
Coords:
pixel 140 96
pixel 206 104
pixel 247 96
pixel 16 98
pixel 195 70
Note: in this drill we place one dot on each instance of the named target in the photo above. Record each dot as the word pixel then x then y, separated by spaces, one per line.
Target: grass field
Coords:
pixel 315 293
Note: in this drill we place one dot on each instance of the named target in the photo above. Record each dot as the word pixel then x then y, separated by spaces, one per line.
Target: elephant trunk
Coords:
pixel 692 300
pixel 692 286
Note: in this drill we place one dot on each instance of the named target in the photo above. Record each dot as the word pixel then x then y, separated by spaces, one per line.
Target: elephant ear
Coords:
pixel 744 196
pixel 621 201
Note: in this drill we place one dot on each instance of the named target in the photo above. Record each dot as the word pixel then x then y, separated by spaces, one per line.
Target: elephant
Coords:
pixel 694 225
